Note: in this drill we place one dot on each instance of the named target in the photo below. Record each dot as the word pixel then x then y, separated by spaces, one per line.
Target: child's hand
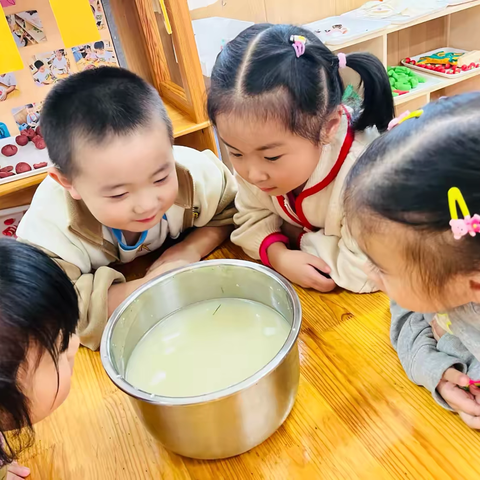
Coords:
pixel 17 472
pixel 165 267
pixel 180 254
pixel 301 268
pixel 463 402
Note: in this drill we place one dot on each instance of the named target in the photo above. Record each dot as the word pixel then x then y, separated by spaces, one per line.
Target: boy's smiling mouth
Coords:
pixel 147 220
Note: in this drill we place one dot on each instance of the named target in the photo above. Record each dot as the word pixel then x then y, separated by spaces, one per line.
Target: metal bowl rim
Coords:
pixel 122 384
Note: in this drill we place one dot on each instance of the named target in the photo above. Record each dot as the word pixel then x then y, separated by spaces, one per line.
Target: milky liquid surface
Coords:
pixel 207 347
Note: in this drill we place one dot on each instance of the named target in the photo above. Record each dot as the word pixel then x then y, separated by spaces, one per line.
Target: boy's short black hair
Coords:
pixel 38 64
pixel 93 105
pixel 99 45
pixel 29 105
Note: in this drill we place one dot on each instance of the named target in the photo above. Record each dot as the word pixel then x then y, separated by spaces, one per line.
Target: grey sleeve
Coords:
pixel 412 338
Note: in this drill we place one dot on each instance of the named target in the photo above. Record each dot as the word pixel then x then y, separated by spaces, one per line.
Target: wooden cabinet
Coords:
pixel 456 27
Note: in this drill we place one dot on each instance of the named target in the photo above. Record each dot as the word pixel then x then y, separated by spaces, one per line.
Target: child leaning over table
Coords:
pixel 276 99
pixel 119 190
pixel 406 201
pixel 38 317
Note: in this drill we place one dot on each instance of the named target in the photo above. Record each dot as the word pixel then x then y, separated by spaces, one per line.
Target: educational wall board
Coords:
pixel 46 60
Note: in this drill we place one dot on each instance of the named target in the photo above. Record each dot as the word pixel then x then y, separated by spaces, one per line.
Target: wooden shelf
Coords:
pixel 396 28
pixel 455 26
pixel 442 83
pixel 17 185
pixel 182 123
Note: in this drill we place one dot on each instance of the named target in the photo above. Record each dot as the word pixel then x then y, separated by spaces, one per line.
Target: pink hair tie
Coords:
pixel 342 60
pixel 298 42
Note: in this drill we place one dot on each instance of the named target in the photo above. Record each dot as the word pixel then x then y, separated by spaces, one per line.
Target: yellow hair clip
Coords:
pixel 455 198
pixel 404 116
pixel 460 227
pixel 415 114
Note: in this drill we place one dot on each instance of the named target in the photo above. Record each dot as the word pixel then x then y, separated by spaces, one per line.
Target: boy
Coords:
pixel 60 63
pixel 119 189
pixel 42 77
pixel 8 83
pixel 101 53
pixel 33 117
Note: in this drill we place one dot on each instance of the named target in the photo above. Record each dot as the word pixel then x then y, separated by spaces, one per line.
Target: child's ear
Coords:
pixel 332 125
pixel 61 179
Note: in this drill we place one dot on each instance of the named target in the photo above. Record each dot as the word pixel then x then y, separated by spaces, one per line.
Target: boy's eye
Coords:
pixel 236 155
pixel 157 182
pixel 118 196
pixel 272 159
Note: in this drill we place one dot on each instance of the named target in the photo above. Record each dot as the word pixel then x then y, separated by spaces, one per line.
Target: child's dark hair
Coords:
pixel 38 64
pixel 38 306
pixel 259 73
pixel 94 105
pixel 405 175
pixel 100 45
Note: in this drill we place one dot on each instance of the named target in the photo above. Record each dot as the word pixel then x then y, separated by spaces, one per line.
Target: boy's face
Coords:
pixel 42 68
pixel 59 55
pixel 127 182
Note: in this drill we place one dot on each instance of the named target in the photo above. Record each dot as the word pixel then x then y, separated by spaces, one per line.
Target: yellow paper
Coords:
pixel 75 21
pixel 10 59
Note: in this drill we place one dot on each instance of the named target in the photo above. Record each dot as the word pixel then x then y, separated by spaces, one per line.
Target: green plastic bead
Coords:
pixel 403 86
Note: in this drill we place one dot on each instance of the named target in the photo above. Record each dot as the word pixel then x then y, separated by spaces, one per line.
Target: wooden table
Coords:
pixel 357 416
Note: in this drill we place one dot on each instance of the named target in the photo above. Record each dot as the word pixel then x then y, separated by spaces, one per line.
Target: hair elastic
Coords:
pixel 298 42
pixel 403 117
pixel 467 224
pixel 342 60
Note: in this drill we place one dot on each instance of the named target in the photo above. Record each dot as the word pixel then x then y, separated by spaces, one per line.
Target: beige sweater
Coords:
pixel 84 248
pixel 319 211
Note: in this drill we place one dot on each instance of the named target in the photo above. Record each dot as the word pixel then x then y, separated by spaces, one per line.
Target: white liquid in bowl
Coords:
pixel 207 347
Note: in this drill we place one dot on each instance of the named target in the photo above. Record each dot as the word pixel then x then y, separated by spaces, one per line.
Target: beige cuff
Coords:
pixel 93 301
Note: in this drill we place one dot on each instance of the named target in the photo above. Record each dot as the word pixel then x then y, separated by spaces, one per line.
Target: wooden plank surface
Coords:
pixel 357 416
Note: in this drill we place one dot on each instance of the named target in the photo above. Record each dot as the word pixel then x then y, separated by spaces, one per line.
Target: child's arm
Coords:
pixel 215 189
pixel 343 256
pixel 200 243
pixel 256 220
pixel 260 235
pixel 438 367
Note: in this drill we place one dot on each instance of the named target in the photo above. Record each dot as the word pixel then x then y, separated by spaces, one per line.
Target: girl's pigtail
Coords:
pixel 377 108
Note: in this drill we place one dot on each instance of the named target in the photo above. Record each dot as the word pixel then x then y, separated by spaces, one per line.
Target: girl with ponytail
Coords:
pixel 276 100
